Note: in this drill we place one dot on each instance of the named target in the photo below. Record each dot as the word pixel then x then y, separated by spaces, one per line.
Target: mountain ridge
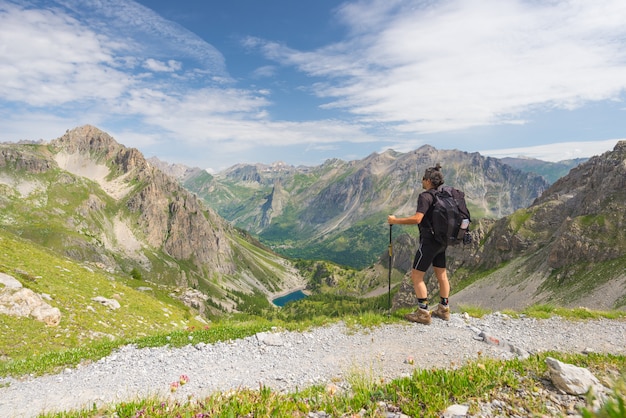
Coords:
pixel 305 212
pixel 98 201
pixel 567 248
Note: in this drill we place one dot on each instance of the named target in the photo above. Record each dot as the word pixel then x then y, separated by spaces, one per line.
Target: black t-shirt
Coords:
pixel 424 205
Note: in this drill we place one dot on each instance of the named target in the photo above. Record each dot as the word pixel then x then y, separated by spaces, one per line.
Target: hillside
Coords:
pixel 87 197
pixel 337 211
pixel 93 305
pixel 567 248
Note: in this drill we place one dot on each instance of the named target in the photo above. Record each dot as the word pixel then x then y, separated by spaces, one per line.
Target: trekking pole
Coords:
pixel 389 285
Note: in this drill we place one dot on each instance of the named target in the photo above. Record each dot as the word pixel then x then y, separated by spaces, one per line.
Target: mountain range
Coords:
pixel 215 239
pixel 337 211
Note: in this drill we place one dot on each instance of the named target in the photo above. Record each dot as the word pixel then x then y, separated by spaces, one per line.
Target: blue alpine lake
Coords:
pixel 289 297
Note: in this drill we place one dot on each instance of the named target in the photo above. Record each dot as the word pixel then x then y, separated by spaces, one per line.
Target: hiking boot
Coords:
pixel 421 316
pixel 441 312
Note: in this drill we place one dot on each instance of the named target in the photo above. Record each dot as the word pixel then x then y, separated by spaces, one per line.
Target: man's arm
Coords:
pixel 411 220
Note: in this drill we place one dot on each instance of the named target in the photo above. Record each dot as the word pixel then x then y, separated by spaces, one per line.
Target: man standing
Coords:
pixel 429 252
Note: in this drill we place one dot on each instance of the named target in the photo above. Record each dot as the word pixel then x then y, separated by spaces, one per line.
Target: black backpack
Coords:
pixel 448 212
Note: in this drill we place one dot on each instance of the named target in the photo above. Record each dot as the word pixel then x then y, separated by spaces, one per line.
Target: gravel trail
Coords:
pixel 286 361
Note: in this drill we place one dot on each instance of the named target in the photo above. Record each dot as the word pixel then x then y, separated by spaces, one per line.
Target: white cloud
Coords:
pixel 51 59
pixel 265 71
pixel 407 68
pixel 142 31
pixel 557 151
pixel 449 65
pixel 158 66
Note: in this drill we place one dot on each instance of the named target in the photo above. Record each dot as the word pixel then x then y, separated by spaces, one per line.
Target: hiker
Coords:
pixel 429 252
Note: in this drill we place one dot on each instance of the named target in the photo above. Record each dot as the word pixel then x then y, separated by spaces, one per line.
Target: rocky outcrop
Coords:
pixel 16 300
pixel 274 204
pixel 405 296
pixel 105 204
pixel 23 160
pixel 194 299
pixel 167 215
pixel 573 227
pixel 170 217
pixel 581 217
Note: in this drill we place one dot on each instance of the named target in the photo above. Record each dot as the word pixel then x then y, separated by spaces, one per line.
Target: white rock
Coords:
pixel 572 379
pixel 9 282
pixel 24 302
pixel 109 303
pixel 455 411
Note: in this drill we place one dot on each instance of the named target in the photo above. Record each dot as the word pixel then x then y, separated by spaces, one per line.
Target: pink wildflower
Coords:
pixel 174 386
pixel 183 379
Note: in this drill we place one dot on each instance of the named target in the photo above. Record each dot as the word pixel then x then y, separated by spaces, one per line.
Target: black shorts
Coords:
pixel 429 252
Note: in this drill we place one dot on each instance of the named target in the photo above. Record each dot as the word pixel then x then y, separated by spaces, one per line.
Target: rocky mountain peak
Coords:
pixel 85 139
pixel 90 141
pixel 590 185
pixel 556 246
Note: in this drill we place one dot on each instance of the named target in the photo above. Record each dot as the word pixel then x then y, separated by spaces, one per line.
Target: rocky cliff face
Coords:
pixel 165 215
pixel 580 217
pixel 96 200
pixel 567 247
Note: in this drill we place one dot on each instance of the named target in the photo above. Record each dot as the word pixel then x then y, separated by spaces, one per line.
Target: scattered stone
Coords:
pixel 456 411
pixel 269 338
pixel 109 303
pixel 320 356
pixel 572 379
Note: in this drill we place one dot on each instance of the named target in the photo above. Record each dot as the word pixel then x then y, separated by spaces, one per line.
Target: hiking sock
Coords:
pixel 422 303
pixel 444 301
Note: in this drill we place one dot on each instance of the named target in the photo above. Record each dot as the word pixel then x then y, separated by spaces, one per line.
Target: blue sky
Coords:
pixel 215 83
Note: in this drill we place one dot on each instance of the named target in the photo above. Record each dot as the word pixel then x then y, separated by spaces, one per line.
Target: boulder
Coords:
pixel 572 379
pixel 9 282
pixel 24 302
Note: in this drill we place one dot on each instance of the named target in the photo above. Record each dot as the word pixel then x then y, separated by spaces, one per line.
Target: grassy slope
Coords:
pixel 71 287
